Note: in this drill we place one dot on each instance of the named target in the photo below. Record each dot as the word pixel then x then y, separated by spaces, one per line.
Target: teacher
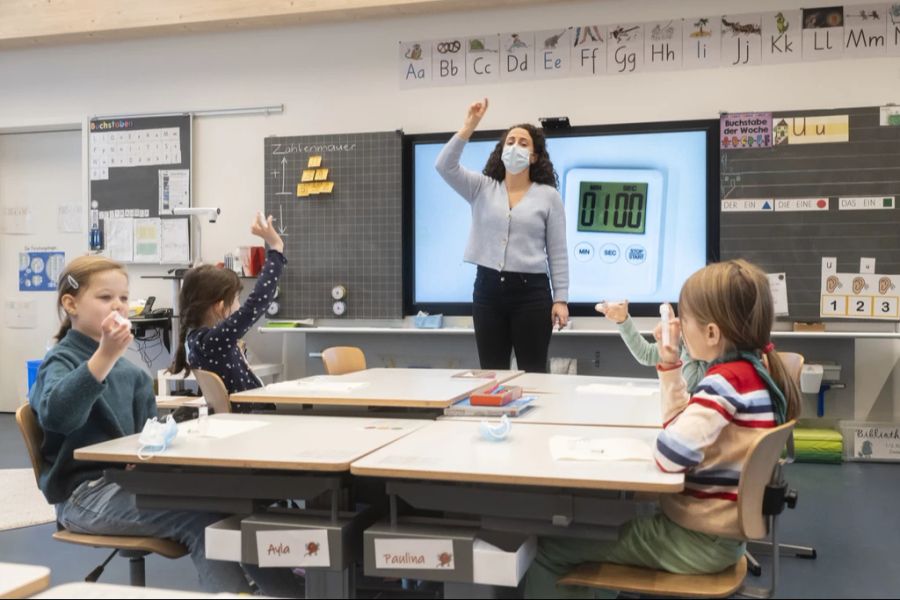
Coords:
pixel 518 234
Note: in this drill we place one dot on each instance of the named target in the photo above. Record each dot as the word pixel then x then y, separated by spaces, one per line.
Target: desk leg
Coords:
pixel 321 583
pixel 163 383
pixel 176 289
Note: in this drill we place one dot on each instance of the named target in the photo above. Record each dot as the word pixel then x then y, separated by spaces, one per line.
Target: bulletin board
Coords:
pixel 818 202
pixel 337 199
pixel 140 169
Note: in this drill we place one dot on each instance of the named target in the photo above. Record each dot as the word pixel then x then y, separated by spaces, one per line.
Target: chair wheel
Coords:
pixel 755 570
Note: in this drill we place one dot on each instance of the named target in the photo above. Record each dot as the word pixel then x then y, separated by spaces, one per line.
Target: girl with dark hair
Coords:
pixel 518 234
pixel 213 321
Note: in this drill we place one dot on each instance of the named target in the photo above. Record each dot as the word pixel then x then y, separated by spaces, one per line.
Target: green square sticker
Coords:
pixel 887 203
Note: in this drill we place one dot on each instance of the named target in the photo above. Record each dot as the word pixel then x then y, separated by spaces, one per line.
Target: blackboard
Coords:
pixel 128 158
pixel 348 234
pixel 868 165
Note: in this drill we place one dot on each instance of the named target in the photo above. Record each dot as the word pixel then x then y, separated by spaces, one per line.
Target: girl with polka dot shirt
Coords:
pixel 213 321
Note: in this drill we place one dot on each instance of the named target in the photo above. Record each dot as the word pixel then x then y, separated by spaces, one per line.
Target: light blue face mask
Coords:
pixel 515 158
pixel 156 437
pixel 498 432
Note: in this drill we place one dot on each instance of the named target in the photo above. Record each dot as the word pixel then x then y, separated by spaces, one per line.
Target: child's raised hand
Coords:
pixel 669 353
pixel 264 229
pixel 115 336
pixel 616 312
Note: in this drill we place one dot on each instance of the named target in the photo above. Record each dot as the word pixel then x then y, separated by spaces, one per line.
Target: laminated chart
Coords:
pixel 862 295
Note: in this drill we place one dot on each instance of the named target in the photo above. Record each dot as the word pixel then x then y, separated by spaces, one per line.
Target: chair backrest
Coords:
pixel 793 363
pixel 343 359
pixel 214 391
pixel 762 459
pixel 33 436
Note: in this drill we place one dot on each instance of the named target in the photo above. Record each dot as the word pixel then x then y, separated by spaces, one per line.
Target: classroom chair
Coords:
pixel 793 362
pixel 134 548
pixel 343 359
pixel 214 391
pixel 762 496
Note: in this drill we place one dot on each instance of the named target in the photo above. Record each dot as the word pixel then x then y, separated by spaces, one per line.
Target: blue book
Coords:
pixel 464 408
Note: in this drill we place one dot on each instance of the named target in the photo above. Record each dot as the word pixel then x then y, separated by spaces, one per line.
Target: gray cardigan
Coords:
pixel 525 239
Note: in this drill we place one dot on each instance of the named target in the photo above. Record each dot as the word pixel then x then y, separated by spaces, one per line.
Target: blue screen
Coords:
pixel 443 218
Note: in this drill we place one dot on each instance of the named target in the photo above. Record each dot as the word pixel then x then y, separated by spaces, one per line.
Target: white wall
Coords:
pixel 343 78
pixel 41 171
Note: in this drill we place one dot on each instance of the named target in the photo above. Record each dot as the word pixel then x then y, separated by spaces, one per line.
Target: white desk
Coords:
pixel 298 457
pixel 558 401
pixel 397 388
pixel 164 378
pixel 105 590
pixel 296 443
pixel 455 451
pixel 21 581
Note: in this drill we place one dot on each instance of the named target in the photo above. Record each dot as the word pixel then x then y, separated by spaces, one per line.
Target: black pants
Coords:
pixel 512 311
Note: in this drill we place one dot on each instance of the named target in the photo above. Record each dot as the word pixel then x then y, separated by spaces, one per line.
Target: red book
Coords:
pixel 499 396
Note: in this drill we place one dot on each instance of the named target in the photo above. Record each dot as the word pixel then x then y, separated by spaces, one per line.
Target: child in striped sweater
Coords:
pixel 726 319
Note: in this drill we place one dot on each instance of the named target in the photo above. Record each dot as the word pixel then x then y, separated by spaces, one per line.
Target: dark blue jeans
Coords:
pixel 511 311
pixel 103 508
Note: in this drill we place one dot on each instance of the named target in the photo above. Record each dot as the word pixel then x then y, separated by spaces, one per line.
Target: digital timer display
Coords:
pixel 612 207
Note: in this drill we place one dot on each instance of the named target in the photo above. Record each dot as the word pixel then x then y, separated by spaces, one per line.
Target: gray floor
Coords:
pixel 848 513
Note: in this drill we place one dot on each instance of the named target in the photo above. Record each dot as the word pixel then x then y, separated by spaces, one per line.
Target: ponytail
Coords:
pixel 784 381
pixel 180 362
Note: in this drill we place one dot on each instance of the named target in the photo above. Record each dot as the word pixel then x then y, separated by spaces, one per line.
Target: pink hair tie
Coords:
pixel 770 347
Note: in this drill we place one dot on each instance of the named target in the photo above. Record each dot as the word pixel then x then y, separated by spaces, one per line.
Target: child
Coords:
pixel 642 350
pixel 213 320
pixel 86 393
pixel 726 318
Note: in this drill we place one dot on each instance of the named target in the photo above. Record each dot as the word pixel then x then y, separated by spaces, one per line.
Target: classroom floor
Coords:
pixel 848 513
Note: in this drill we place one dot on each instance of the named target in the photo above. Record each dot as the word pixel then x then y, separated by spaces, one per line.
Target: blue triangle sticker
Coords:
pixel 766 206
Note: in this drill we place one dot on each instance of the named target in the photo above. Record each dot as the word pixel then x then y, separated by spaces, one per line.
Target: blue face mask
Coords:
pixel 515 158
pixel 156 437
pixel 498 432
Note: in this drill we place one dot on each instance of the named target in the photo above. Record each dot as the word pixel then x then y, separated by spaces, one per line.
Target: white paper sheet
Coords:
pixel 564 447
pixel 175 243
pixel 120 239
pixel 147 241
pixel 69 218
pixel 17 220
pixel 174 189
pixel 20 314
pixel 778 287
